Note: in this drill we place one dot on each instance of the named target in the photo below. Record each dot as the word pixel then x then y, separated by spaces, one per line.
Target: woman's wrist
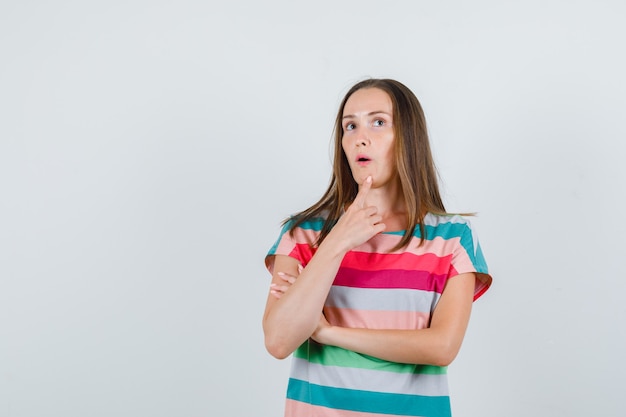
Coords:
pixel 334 246
pixel 326 335
pixel 331 253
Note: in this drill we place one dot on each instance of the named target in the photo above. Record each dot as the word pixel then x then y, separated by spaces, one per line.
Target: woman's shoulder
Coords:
pixel 447 225
pixel 447 219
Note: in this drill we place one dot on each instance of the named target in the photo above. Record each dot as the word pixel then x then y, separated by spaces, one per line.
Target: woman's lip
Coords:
pixel 363 162
pixel 362 159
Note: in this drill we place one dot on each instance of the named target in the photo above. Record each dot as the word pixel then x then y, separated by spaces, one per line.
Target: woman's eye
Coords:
pixel 379 122
pixel 349 126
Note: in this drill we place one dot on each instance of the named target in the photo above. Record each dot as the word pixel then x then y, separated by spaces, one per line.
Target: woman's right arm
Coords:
pixel 291 319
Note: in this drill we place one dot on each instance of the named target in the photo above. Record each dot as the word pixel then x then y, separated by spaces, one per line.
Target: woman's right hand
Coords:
pixel 359 223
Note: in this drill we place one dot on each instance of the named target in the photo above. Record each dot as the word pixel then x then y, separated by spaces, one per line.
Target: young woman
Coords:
pixel 373 285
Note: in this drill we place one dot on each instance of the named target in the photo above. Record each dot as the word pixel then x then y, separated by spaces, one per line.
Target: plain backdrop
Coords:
pixel 150 149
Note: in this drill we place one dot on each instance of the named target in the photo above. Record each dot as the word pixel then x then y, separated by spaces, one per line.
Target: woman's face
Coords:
pixel 368 136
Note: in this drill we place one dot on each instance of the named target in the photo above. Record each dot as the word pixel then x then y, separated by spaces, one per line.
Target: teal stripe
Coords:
pixel 448 230
pixel 479 261
pixel 313 224
pixel 459 231
pixel 336 356
pixel 444 230
pixel 367 401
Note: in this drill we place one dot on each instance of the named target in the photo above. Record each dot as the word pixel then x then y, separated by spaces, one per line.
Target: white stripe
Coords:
pixel 435 220
pixel 385 299
pixel 370 380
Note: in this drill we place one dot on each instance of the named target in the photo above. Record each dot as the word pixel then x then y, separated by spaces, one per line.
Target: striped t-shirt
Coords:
pixel 378 289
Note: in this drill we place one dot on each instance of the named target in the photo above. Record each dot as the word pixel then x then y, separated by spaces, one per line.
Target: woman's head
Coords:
pixel 411 160
pixel 414 163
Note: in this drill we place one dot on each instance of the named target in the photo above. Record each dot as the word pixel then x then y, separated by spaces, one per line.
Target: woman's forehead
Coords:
pixel 366 101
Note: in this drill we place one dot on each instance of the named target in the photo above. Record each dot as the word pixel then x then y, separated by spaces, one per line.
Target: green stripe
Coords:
pixel 336 356
pixel 368 401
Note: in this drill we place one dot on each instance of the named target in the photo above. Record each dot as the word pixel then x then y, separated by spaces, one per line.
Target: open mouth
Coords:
pixel 362 158
pixel 363 161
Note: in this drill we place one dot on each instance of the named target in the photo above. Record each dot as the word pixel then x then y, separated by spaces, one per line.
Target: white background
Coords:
pixel 150 149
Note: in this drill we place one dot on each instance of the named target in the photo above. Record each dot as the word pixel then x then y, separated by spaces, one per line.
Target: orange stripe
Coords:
pixel 300 409
pixel 403 320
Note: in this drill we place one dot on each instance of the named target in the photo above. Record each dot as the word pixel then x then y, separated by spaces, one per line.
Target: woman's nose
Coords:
pixel 361 137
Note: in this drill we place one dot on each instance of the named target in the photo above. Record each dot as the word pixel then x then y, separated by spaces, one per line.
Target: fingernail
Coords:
pixel 281 273
pixel 368 179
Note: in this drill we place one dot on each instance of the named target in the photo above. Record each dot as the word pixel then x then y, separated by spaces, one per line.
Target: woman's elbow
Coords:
pixel 281 339
pixel 276 349
pixel 445 354
pixel 443 359
pixel 275 342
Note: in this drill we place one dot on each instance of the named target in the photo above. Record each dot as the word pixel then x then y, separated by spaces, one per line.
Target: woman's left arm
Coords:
pixel 435 345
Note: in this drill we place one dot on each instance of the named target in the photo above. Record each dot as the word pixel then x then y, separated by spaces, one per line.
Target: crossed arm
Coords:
pixel 436 345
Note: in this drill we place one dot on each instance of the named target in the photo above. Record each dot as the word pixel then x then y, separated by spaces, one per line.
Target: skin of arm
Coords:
pixel 290 320
pixel 436 345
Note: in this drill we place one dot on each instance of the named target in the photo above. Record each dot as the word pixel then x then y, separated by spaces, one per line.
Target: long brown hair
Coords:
pixel 416 168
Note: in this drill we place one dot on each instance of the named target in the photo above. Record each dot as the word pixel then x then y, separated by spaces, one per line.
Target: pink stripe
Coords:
pixel 377 261
pixel 390 278
pixel 402 320
pixel 373 261
pixel 462 263
pixel 308 236
pixel 302 253
pixel 298 246
pixel 300 409
pixel 285 246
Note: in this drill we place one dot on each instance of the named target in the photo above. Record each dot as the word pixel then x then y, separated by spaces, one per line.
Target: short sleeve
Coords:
pixel 468 257
pixel 297 244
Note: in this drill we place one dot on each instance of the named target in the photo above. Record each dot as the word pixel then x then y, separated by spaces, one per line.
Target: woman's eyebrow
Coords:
pixel 349 116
